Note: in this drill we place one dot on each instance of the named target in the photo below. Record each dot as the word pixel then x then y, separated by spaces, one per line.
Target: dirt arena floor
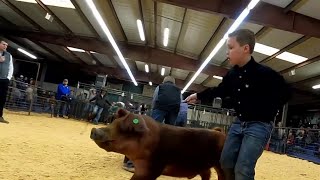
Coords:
pixel 40 147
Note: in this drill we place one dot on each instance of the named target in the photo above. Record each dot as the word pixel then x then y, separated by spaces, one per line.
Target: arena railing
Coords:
pixel 296 142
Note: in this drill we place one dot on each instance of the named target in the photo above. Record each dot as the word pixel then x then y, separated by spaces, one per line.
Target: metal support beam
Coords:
pixel 117 19
pixel 22 14
pixel 84 18
pixel 143 22
pixel 291 5
pixel 290 46
pixel 140 76
pixel 264 14
pixel 155 9
pixel 307 62
pixel 134 52
pixel 213 35
pixel 44 7
pixel 184 16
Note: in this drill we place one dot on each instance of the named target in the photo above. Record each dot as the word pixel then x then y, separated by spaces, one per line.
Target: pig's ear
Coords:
pixel 139 125
pixel 121 113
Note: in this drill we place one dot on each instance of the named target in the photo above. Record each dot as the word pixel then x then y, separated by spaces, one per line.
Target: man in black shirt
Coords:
pixel 257 93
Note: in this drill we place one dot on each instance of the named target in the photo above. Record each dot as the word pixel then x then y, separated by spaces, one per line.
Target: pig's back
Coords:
pixel 189 148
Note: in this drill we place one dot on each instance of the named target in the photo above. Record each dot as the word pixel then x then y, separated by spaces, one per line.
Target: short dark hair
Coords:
pixel 1 39
pixel 243 37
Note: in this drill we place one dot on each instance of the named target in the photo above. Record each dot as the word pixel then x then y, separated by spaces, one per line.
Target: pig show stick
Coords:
pixel 85 128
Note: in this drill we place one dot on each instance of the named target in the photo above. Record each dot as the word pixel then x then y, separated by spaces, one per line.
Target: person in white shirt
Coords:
pixel 6 72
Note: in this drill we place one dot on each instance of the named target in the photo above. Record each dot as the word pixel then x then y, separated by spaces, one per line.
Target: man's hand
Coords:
pixel 192 99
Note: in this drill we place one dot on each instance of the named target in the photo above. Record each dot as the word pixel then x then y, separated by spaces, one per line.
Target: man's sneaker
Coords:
pixel 3 121
pixel 128 166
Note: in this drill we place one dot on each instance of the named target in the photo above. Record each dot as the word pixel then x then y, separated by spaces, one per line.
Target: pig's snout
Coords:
pixel 97 134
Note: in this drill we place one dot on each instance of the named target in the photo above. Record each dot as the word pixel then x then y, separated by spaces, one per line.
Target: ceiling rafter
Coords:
pixel 288 47
pixel 117 19
pixel 140 76
pixel 213 35
pixel 184 16
pixel 133 52
pixel 22 14
pixel 302 64
pixel 264 14
pixel 291 6
pixel 143 22
pixel 84 18
pixel 155 14
pixel 64 26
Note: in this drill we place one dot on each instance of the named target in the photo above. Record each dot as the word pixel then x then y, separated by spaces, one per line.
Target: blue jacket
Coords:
pixel 62 91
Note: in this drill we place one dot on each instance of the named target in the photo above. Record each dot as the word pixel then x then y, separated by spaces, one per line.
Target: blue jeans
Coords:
pixel 243 147
pixel 169 117
pixel 97 110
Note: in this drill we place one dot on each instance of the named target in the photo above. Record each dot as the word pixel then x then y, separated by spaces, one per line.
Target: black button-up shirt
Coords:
pixel 257 92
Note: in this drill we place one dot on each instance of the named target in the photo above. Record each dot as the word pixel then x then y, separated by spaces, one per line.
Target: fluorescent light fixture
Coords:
pixel 92 52
pixel 252 4
pixel 316 86
pixel 233 27
pixel 27 53
pixel 163 71
pixel 28 1
pixel 57 3
pixel 218 77
pixel 150 83
pixel 76 49
pixel 296 59
pixel 110 38
pixel 146 68
pixel 166 37
pixel 264 49
pixel 140 29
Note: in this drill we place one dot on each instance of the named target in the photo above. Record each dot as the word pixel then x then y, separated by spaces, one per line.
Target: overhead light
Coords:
pixel 252 4
pixel 296 59
pixel 146 67
pixel 140 29
pixel 76 49
pixel 218 77
pixel 58 3
pixel 110 38
pixel 27 53
pixel 233 27
pixel 166 37
pixel 92 52
pixel 163 71
pixel 264 49
pixel 316 86
pixel 150 83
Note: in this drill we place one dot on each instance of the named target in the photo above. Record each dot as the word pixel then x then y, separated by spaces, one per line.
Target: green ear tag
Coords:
pixel 135 121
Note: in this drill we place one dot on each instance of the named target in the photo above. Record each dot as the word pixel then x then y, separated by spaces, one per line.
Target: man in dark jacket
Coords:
pixel 101 104
pixel 166 101
pixel 257 93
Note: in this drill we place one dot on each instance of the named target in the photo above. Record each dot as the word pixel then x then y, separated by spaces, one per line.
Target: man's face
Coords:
pixel 3 46
pixel 65 82
pixel 236 53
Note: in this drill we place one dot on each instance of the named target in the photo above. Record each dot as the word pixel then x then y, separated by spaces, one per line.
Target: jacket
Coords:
pixel 101 101
pixel 62 91
pixel 256 91
pixel 166 97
